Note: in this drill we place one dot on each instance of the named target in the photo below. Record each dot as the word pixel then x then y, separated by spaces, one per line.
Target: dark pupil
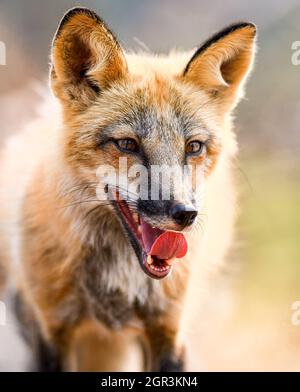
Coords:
pixel 127 144
pixel 194 147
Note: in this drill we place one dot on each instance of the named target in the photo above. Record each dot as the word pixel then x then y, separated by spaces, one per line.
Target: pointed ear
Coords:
pixel 86 58
pixel 221 65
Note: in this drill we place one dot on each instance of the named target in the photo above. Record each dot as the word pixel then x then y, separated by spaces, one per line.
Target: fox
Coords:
pixel 103 283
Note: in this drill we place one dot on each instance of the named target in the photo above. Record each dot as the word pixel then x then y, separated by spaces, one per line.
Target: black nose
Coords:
pixel 183 215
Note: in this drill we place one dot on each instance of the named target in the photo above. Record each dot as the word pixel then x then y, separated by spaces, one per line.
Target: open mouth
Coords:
pixel 156 249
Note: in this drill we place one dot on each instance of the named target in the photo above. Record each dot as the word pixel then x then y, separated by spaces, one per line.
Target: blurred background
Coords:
pixel 251 328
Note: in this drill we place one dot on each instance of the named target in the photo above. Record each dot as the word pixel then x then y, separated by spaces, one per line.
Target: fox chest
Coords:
pixel 116 290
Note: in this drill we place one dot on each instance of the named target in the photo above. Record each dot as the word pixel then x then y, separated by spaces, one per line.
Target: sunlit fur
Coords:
pixel 69 259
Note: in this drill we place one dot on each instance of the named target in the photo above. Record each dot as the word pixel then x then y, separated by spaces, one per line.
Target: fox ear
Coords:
pixel 220 66
pixel 86 58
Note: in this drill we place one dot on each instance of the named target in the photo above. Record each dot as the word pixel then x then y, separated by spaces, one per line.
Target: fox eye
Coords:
pixel 194 147
pixel 128 145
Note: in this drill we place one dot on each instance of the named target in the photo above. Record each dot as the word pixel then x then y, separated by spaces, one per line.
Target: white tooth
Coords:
pixel 149 260
pixel 170 261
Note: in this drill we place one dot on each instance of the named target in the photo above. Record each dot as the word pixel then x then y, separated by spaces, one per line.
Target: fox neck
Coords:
pixel 109 264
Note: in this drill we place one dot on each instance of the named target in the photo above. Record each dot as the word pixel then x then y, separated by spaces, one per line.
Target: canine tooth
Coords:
pixel 149 260
pixel 170 261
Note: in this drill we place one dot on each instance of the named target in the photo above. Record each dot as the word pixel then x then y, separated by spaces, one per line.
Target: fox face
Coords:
pixel 164 118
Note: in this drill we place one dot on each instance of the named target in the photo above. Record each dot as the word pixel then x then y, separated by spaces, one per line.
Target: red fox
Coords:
pixel 100 283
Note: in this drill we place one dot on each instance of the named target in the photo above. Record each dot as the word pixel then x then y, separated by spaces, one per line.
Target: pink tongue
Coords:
pixel 164 244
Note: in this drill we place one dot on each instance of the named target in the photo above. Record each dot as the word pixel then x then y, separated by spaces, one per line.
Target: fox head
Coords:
pixel 150 112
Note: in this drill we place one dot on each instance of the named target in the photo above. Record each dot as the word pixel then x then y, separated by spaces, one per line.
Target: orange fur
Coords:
pixel 47 245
